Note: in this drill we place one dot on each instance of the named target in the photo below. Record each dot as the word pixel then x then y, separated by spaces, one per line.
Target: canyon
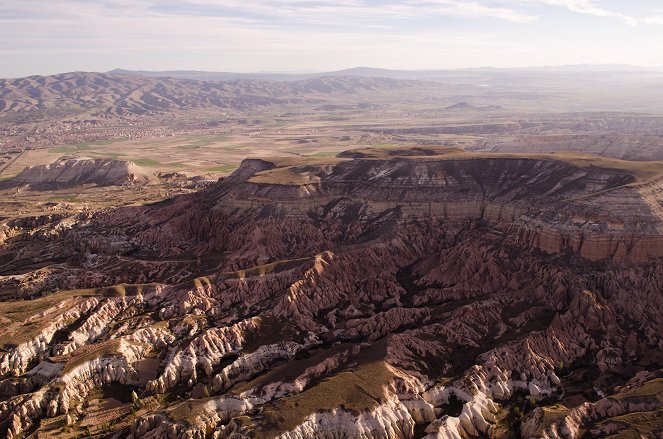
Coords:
pixel 423 292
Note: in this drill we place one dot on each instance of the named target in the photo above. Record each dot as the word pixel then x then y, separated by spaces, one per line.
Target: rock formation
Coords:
pixel 75 172
pixel 407 294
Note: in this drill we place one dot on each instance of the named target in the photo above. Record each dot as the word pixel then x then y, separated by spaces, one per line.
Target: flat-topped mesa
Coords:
pixel 68 172
pixel 427 180
pixel 543 201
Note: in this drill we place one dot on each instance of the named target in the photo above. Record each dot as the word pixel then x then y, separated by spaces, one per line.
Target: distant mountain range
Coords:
pixel 486 75
pixel 124 93
pixel 115 94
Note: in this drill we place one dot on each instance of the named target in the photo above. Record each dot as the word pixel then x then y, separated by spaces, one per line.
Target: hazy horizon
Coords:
pixel 301 74
pixel 41 37
pixel 355 67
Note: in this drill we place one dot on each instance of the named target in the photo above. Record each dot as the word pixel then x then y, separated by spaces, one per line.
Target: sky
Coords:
pixel 54 36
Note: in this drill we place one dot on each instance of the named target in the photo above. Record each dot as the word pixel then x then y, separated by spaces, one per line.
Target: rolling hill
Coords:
pixel 103 94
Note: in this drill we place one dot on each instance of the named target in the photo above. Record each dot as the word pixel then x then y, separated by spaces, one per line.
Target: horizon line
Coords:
pixel 317 72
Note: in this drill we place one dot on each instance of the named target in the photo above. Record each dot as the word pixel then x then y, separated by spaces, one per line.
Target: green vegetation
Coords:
pixel 106 154
pixel 21 310
pixel 224 168
pixel 242 148
pixel 355 391
pixel 65 198
pixel 552 414
pixel 3 179
pixel 323 154
pixel 107 142
pixel 649 389
pixel 154 163
pixel 146 162
pixel 639 424
pixel 199 142
pixel 69 149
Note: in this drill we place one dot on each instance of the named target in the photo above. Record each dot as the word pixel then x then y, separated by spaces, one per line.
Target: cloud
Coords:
pixel 656 19
pixel 471 9
pixel 310 11
pixel 588 7
pixel 246 35
pixel 324 10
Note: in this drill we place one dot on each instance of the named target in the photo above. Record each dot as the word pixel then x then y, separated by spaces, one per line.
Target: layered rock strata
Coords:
pixel 66 173
pixel 370 298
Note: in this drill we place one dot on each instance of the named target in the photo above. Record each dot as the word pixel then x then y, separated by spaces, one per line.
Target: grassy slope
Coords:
pixel 20 311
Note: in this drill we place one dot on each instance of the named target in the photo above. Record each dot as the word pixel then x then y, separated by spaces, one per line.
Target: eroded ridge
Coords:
pixel 405 298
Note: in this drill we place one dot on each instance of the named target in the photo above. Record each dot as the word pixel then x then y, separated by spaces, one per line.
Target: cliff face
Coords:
pixel 74 172
pixel 369 298
pixel 547 204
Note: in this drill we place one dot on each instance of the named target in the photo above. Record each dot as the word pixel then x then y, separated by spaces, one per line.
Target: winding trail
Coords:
pixel 11 162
